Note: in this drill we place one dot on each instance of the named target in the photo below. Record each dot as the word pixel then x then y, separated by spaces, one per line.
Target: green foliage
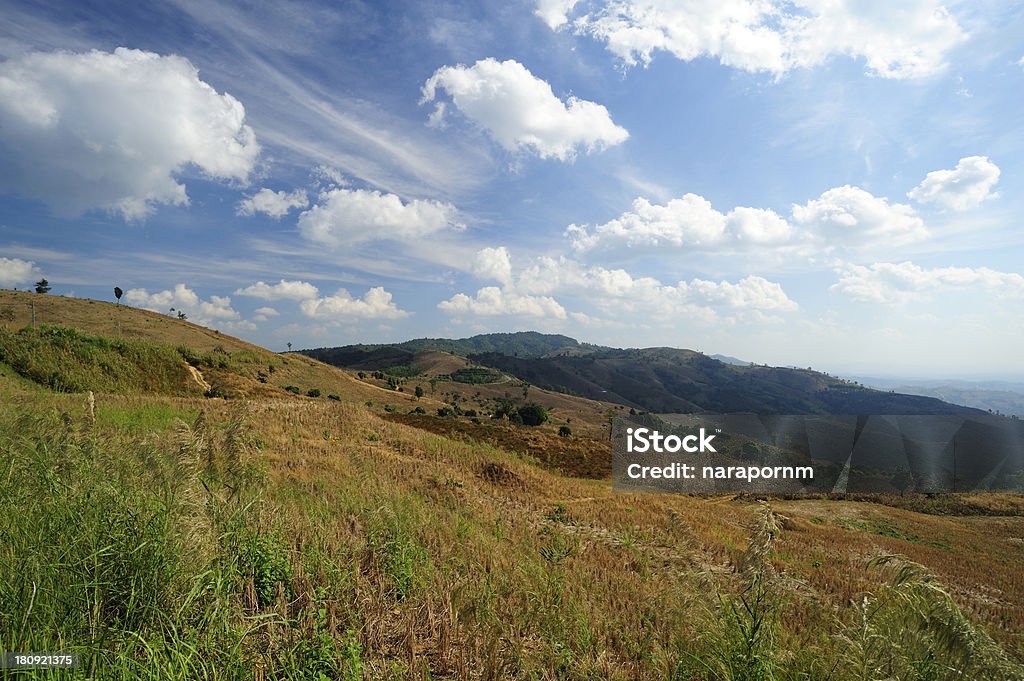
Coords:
pixel 320 656
pixel 913 629
pixel 401 371
pixel 419 391
pixel 532 414
pixel 564 431
pixel 397 554
pixel 66 360
pixel 313 392
pixel 474 375
pixel 293 389
pixel 264 559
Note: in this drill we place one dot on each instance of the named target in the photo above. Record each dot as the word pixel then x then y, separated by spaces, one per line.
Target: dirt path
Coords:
pixel 197 376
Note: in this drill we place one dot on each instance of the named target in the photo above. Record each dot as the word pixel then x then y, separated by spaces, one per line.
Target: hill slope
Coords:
pixel 654 379
pixel 311 538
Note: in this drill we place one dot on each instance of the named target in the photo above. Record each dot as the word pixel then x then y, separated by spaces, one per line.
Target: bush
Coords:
pixel 564 431
pixel 292 389
pixel 334 397
pixel 313 392
pixel 532 415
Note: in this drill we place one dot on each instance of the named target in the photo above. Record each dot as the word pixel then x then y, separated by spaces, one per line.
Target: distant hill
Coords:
pixel 652 379
pixel 1003 397
pixel 522 344
pixel 730 360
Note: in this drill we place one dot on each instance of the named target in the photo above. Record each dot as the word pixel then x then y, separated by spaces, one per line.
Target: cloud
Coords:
pixel 964 187
pixel 905 39
pixel 751 292
pixel 842 218
pixel 15 271
pixel 554 13
pixel 895 283
pixel 274 204
pixel 492 301
pixel 520 111
pixel 851 216
pixel 375 304
pixel 111 130
pixel 262 314
pixel 615 291
pixel 493 263
pixel 348 216
pixel 689 222
pixel 284 289
pixel 203 312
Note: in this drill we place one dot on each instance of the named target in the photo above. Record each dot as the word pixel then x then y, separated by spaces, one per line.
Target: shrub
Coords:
pixel 532 414
pixel 564 431
pixel 292 389
pixel 313 392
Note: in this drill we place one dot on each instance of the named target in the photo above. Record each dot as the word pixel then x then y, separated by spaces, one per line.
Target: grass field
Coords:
pixel 274 536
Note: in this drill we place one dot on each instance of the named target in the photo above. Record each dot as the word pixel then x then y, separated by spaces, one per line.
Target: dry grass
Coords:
pixel 405 553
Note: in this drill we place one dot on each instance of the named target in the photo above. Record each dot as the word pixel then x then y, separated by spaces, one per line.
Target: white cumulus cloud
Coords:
pixel 375 304
pixel 615 291
pixel 900 39
pixel 554 13
pixel 689 221
pixel 751 292
pixel 110 130
pixel 493 263
pixel 854 217
pixel 274 204
pixel 520 111
pixel 961 188
pixel 895 283
pixel 262 314
pixel 347 216
pixel 491 301
pixel 15 272
pixel 183 299
pixel 282 290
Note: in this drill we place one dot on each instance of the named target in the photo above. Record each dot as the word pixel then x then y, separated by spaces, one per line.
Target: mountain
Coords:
pixel 653 379
pixel 521 344
pixel 730 360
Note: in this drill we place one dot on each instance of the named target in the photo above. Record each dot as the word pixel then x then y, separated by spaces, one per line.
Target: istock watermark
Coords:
pixel 774 454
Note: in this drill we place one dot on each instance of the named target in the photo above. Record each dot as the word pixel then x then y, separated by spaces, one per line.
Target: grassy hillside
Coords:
pixel 275 536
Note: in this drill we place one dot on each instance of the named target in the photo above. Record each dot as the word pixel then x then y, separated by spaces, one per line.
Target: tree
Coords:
pixel 118 293
pixel 182 315
pixel 289 346
pixel 42 286
pixel 419 392
pixel 533 414
pixel 564 431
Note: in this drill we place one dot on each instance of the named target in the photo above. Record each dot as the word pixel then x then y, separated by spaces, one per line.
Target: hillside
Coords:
pixel 654 379
pixel 272 535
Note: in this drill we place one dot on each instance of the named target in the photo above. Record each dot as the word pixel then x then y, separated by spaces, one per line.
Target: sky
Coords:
pixel 821 183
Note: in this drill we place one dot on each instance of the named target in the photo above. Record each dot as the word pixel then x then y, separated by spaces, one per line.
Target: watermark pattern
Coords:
pixel 779 454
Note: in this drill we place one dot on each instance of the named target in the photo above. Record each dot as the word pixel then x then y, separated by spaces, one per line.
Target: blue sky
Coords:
pixel 827 184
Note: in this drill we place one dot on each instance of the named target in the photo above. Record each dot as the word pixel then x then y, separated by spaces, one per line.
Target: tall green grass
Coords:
pixel 142 555
pixel 66 360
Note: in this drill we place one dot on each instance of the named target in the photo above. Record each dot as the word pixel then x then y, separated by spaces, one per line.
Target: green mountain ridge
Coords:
pixel 660 379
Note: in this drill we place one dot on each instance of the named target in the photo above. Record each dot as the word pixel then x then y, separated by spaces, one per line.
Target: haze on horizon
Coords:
pixel 835 185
